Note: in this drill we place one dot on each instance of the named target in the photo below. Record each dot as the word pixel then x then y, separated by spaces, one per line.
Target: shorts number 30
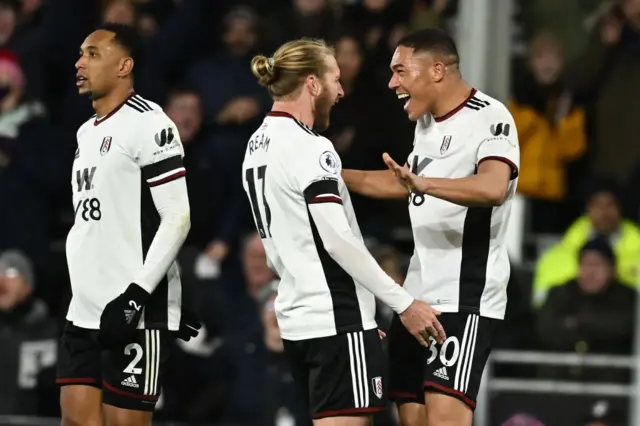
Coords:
pixel 449 351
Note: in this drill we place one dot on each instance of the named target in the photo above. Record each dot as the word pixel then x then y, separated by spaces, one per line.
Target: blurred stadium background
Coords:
pixel 570 73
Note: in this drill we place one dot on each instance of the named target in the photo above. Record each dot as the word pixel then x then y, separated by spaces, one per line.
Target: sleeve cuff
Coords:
pixel 511 164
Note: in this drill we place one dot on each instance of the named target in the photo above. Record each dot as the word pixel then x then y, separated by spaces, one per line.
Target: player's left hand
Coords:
pixel 120 318
pixel 382 334
pixel 189 326
pixel 413 183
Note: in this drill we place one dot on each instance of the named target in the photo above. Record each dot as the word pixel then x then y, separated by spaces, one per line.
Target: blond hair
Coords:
pixel 283 73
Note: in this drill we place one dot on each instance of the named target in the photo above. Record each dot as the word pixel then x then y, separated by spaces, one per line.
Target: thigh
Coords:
pixel 346 375
pixel 406 365
pixel 132 374
pixel 78 373
pixel 455 367
pixel 78 357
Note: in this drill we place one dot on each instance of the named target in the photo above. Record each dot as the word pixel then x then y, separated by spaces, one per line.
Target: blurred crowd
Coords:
pixel 575 93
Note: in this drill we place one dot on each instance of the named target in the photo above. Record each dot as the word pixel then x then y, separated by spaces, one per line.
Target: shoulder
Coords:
pixel 147 116
pixel 489 111
pixel 85 126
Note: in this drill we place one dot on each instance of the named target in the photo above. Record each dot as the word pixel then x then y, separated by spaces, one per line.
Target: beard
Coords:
pixel 323 105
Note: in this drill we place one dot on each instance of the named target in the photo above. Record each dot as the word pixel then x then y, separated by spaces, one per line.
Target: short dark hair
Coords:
pixel 431 40
pixel 126 36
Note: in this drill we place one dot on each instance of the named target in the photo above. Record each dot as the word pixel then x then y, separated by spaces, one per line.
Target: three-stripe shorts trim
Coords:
pixel 358 363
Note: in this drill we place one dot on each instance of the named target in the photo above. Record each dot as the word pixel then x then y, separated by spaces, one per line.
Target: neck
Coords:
pixel 451 95
pixel 298 109
pixel 112 100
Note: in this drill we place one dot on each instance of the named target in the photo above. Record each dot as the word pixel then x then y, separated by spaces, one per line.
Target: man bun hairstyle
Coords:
pixel 283 73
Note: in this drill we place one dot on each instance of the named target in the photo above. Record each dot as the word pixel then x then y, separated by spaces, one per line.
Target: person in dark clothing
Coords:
pixel 28 342
pixel 590 314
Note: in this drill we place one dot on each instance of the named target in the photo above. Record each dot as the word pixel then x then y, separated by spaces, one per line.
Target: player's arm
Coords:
pixel 325 205
pixel 158 153
pixel 497 159
pixel 488 187
pixel 374 183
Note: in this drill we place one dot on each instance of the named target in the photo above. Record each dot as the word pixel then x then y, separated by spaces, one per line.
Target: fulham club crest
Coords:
pixel 377 386
pixel 106 145
pixel 445 144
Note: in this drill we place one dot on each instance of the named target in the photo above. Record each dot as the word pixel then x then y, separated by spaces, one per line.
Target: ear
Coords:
pixel 313 85
pixel 438 71
pixel 126 67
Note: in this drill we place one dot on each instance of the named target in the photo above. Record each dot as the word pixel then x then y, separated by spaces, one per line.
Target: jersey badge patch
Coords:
pixel 377 386
pixel 106 145
pixel 329 162
pixel 445 144
pixel 165 136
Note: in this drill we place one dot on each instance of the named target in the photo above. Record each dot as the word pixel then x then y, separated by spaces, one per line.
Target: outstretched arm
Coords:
pixel 374 183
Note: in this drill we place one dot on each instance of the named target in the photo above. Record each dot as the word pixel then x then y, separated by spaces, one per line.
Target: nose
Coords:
pixel 80 63
pixel 393 83
pixel 340 91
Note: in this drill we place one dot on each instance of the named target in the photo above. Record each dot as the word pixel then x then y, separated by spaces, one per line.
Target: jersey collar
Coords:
pixel 116 109
pixel 456 109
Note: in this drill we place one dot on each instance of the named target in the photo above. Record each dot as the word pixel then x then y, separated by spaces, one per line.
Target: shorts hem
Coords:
pixel 348 412
pixel 71 381
pixel 128 400
pixel 406 398
pixel 438 388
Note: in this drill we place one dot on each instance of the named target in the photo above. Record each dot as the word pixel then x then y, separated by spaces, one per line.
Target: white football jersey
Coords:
pixel 119 157
pixel 316 297
pixel 460 261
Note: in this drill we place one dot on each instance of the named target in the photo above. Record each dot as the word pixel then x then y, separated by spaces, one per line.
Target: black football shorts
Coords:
pixel 453 368
pixel 340 375
pixel 130 376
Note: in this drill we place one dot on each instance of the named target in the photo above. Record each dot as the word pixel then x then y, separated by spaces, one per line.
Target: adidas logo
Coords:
pixel 128 315
pixel 442 373
pixel 131 382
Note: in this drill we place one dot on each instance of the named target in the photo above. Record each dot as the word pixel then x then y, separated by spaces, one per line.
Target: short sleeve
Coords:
pixel 500 142
pixel 160 150
pixel 316 162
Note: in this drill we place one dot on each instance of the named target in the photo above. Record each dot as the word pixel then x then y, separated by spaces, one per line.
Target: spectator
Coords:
pixel 214 225
pixel 609 72
pixel 593 313
pixel 551 130
pixel 307 18
pixel 28 339
pixel 603 217
pixel 29 165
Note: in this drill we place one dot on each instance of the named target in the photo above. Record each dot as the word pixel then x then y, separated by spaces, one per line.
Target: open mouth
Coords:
pixel 80 80
pixel 406 98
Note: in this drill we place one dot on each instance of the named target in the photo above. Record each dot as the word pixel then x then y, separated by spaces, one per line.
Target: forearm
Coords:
pixel 374 183
pixel 351 254
pixel 346 249
pixel 476 190
pixel 172 203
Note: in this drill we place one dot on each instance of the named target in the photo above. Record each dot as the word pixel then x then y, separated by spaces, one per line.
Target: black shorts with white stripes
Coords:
pixel 453 368
pixel 340 375
pixel 130 377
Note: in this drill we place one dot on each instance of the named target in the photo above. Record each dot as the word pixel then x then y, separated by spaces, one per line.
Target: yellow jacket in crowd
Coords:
pixel 560 263
pixel 545 148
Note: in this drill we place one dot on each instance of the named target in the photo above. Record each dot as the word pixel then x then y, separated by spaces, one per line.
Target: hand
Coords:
pixel 120 318
pixel 382 334
pixel 239 111
pixel 610 30
pixel 420 320
pixel 189 326
pixel 217 250
pixel 409 180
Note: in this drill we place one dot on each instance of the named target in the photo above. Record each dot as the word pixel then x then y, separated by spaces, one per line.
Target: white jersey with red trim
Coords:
pixel 460 261
pixel 118 159
pixel 288 169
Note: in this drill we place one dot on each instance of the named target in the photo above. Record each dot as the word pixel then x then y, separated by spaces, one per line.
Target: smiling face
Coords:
pixel 414 79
